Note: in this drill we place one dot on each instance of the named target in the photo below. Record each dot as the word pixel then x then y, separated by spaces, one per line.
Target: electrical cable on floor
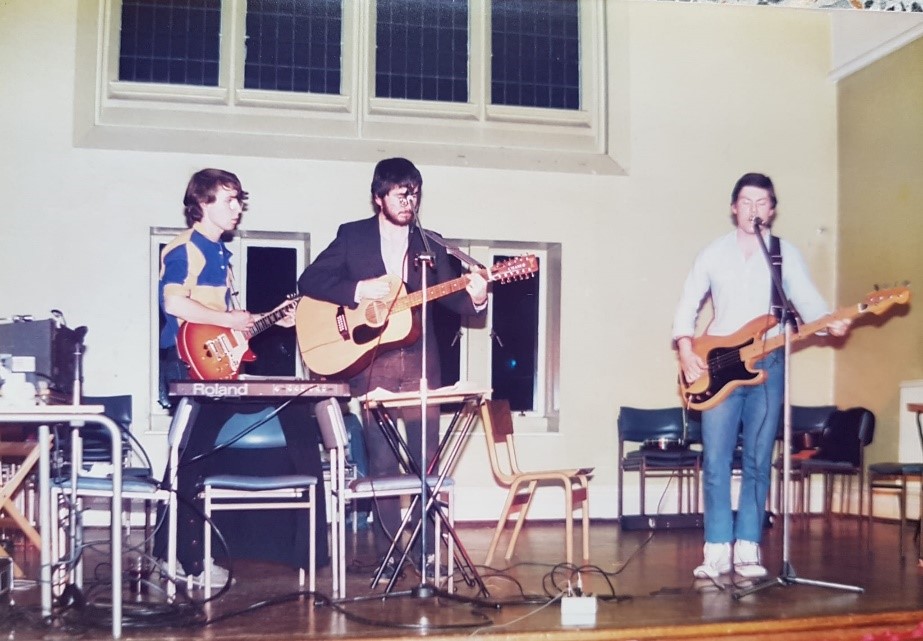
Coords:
pixel 518 619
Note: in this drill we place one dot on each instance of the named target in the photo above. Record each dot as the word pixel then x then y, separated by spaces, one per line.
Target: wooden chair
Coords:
pixel 498 429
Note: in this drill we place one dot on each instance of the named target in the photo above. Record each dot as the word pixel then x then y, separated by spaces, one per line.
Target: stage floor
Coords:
pixel 642 581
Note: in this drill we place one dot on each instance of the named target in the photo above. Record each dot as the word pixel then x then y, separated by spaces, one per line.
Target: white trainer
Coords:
pixel 747 562
pixel 717 561
pixel 219 575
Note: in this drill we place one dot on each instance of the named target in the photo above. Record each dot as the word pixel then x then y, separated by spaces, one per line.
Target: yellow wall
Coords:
pixel 881 232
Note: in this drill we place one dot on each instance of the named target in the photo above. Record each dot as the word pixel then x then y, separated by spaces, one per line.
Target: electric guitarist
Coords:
pixel 352 269
pixel 733 272
pixel 195 287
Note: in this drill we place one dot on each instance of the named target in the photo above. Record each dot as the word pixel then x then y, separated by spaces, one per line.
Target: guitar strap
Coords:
pixel 775 259
pixel 232 290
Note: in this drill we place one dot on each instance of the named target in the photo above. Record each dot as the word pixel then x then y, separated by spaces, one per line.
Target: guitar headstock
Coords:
pixel 517 268
pixel 880 301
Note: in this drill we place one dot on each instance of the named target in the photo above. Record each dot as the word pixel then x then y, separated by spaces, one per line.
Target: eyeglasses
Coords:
pixel 405 197
pixel 746 203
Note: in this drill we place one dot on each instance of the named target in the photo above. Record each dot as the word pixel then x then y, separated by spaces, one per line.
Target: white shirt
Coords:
pixel 394 243
pixel 741 287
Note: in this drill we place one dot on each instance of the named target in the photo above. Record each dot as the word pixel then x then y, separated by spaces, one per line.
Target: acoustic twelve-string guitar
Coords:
pixel 730 359
pixel 338 341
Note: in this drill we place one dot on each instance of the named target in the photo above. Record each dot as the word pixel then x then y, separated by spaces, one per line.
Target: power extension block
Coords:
pixel 578 610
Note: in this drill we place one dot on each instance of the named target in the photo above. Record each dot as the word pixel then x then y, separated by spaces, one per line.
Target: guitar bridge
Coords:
pixel 342 327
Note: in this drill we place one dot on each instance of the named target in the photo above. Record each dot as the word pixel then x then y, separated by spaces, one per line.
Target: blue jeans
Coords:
pixel 753 412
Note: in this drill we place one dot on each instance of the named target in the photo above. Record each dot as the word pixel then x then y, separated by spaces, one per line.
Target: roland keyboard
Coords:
pixel 279 387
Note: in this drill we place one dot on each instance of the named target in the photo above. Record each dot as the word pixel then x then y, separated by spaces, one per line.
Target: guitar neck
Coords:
pixel 432 293
pixel 266 321
pixel 762 347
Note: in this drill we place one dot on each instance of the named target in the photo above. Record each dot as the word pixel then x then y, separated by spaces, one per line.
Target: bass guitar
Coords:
pixel 730 359
pixel 218 353
pixel 335 340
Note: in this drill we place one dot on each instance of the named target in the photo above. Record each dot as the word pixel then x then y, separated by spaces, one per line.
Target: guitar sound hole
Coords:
pixel 376 312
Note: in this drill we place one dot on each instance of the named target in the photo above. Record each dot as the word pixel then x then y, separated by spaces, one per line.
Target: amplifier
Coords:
pixel 52 347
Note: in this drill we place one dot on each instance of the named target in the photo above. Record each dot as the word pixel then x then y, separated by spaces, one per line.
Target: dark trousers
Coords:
pixel 398 371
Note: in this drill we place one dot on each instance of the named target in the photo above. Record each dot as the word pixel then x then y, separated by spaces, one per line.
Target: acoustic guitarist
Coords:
pixel 734 272
pixel 354 268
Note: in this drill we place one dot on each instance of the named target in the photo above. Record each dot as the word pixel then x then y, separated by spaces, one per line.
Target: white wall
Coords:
pixel 711 92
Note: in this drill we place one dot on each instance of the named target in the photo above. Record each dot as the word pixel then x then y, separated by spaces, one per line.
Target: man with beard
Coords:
pixel 354 268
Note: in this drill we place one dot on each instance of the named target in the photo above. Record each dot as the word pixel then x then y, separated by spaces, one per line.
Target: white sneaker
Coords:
pixel 717 561
pixel 219 575
pixel 747 561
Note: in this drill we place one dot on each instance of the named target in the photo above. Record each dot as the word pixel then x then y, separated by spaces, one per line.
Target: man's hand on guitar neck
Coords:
pixel 690 363
pixel 839 327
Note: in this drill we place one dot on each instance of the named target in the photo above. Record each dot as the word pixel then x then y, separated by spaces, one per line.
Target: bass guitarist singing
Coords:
pixel 734 272
pixel 354 268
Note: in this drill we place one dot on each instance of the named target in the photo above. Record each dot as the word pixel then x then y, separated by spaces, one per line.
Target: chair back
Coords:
pixel 638 425
pixel 97 446
pixel 331 424
pixel 808 423
pixel 259 430
pixel 498 429
pixel 845 436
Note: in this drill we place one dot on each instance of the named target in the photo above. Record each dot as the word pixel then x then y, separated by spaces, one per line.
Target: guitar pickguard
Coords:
pixel 364 334
pixel 724 367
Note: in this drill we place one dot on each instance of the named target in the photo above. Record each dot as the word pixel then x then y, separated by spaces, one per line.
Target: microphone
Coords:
pixel 757 222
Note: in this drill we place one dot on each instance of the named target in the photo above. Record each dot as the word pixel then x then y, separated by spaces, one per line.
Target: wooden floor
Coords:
pixel 642 581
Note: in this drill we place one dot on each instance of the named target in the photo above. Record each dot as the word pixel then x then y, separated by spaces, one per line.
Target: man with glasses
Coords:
pixel 734 272
pixel 354 268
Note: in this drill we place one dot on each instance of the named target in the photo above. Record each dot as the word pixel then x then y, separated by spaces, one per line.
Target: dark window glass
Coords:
pixel 448 336
pixel 271 276
pixel 514 349
pixel 294 45
pixel 170 41
pixel 535 59
pixel 421 50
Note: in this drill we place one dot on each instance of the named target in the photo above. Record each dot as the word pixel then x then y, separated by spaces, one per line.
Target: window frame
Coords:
pixel 477 343
pixel 274 123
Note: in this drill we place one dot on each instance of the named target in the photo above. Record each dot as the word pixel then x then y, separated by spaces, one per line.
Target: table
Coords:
pixel 379 402
pixel 75 415
pixel 28 451
pixel 918 409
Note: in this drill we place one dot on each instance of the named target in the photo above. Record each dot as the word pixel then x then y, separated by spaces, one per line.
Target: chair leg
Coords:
pixel 501 522
pixel 451 543
pixel 569 525
pixel 312 544
pixel 586 523
pixel 902 510
pixel 523 512
pixel 207 542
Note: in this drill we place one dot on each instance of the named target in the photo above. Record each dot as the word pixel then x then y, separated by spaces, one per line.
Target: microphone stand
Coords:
pixel 787 575
pixel 426 261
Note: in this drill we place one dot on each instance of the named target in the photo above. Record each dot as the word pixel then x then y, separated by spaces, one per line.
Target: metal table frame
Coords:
pixel 444 461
